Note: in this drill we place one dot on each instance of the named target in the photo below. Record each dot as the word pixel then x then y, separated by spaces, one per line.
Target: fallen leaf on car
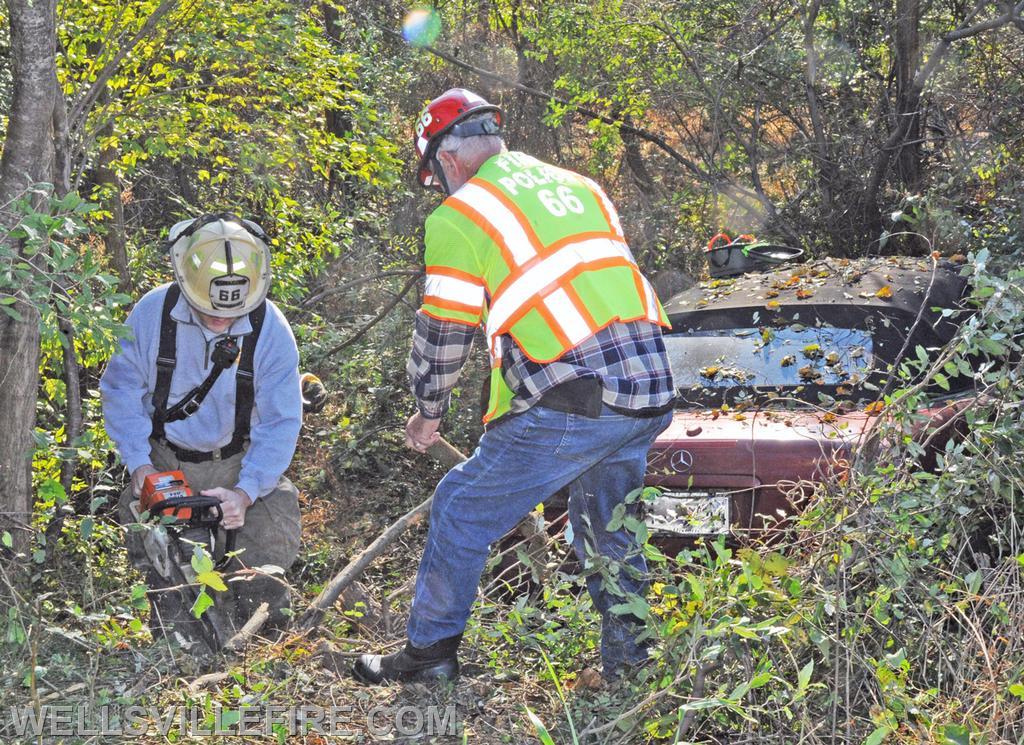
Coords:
pixel 710 371
pixel 803 293
pixel 884 293
pixel 772 305
pixel 789 359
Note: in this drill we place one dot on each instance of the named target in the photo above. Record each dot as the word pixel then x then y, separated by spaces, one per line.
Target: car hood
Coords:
pixel 747 449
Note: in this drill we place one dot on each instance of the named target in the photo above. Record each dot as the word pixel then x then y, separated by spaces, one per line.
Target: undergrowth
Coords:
pixel 889 612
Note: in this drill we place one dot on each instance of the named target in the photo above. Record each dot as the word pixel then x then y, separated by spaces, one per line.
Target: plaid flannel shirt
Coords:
pixel 628 358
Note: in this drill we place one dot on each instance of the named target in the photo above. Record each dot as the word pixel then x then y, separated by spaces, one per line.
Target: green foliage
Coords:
pixel 892 613
pixel 57 275
pixel 779 119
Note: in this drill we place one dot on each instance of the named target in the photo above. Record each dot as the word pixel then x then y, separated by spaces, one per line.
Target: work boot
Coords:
pixel 410 665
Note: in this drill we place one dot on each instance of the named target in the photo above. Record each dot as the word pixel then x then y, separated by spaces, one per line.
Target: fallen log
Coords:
pixel 445 454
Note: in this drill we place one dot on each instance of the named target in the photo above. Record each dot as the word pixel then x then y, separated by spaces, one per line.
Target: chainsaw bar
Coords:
pixel 164 551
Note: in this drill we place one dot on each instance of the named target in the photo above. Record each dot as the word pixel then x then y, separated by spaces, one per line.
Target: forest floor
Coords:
pixel 90 661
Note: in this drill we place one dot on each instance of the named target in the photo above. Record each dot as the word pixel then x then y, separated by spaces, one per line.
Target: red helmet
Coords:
pixel 440 118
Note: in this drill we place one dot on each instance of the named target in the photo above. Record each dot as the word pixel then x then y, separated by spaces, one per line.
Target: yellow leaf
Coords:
pixel 884 293
pixel 211 579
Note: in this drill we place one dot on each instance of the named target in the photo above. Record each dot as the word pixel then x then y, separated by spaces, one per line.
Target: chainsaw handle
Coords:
pixel 176 504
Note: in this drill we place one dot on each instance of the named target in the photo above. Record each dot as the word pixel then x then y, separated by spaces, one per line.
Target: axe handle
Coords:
pixel 445 453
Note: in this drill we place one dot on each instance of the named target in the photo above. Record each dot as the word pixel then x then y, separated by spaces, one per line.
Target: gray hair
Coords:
pixel 477 146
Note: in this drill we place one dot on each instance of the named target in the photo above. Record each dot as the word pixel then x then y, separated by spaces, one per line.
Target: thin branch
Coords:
pixel 375 320
pixel 643 134
pixel 440 451
pixel 81 109
pixel 355 283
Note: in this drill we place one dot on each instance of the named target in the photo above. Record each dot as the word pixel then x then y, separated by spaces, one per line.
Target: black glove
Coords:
pixel 314 394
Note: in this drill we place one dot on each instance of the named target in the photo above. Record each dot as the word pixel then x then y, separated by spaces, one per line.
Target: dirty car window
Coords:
pixel 788 356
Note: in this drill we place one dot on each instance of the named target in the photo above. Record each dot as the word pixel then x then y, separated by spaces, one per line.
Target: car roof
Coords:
pixel 834 292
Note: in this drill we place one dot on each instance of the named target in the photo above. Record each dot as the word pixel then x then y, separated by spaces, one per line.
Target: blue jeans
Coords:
pixel 518 464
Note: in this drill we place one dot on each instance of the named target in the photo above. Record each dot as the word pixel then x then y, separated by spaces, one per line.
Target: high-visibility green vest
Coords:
pixel 535 252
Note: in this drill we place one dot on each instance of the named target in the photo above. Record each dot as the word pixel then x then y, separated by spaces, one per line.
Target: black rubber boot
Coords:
pixel 410 665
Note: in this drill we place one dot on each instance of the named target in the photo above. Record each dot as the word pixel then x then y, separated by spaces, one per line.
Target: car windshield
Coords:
pixel 790 356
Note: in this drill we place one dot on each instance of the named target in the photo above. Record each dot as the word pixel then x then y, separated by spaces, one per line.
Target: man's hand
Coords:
pixel 139 476
pixel 421 433
pixel 233 503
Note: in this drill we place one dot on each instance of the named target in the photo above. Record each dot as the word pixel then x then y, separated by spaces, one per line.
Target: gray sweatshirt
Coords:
pixel 129 382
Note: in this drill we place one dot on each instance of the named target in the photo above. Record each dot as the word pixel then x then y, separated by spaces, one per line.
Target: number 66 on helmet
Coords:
pixel 221 262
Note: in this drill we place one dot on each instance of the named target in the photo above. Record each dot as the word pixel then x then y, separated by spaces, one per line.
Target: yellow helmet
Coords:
pixel 221 263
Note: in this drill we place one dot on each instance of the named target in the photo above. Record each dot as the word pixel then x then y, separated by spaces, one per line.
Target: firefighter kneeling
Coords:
pixel 208 386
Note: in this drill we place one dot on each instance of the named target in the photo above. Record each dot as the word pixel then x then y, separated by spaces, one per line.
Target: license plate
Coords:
pixel 689 513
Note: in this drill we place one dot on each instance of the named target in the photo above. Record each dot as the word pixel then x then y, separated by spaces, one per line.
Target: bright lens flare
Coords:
pixel 421 26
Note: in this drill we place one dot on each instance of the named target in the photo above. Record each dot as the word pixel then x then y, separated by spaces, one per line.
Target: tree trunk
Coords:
pixel 73 389
pixel 113 235
pixel 25 160
pixel 820 151
pixel 338 121
pixel 635 160
pixel 907 48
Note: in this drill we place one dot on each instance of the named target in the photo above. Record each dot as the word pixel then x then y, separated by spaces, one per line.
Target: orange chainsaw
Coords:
pixel 167 499
pixel 167 494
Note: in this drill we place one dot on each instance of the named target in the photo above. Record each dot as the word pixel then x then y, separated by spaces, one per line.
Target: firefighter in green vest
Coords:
pixel 533 255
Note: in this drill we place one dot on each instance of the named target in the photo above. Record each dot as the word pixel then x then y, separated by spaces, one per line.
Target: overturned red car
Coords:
pixel 779 374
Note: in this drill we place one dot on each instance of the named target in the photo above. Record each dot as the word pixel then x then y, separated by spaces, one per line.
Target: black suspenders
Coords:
pixel 245 392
